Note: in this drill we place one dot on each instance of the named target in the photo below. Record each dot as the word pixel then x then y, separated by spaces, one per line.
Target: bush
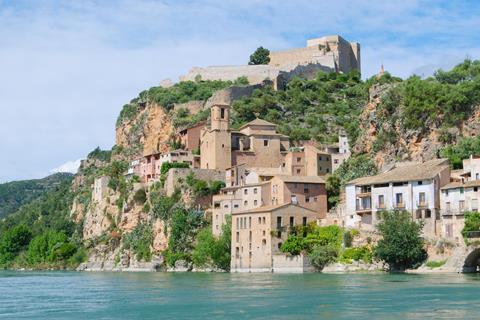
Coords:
pixel 293 245
pixel 13 241
pixel 401 246
pixel 321 255
pixel 140 196
pixel 210 251
pixel 166 166
pixel 472 223
pixel 51 246
pixel 363 253
pixel 435 264
pixel 140 241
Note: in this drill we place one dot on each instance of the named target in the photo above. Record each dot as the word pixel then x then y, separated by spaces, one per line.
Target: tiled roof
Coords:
pixel 411 172
pixel 271 208
pixel 458 184
pixel 257 122
pixel 301 179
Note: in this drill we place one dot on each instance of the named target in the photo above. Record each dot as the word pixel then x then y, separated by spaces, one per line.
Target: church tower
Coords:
pixel 216 142
pixel 220 117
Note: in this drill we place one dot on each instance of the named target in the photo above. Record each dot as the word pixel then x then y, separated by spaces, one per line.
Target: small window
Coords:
pixel 255 202
pixel 245 203
pixel 335 161
pixel 307 199
pixel 475 189
pixel 299 159
pixel 235 205
pixel 265 143
pixel 304 221
pixel 420 183
pixel 222 113
pixel 292 221
pixel 298 171
pixel 245 191
pixel 279 245
pixel 255 191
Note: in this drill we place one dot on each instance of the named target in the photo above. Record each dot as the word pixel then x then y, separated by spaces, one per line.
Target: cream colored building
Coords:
pixel 307 161
pixel 308 192
pixel 258 234
pixel 256 144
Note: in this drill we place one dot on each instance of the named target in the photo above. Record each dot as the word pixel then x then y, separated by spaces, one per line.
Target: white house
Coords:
pixel 412 187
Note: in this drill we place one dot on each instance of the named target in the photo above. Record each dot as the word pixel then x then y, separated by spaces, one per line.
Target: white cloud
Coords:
pixel 69 166
pixel 67 67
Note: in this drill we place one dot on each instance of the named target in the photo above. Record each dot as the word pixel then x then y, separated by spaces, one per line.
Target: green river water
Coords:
pixel 77 295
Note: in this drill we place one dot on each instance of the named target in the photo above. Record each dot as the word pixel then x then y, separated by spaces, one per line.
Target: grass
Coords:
pixel 435 264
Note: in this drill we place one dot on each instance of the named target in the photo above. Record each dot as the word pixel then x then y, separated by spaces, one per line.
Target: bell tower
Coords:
pixel 220 117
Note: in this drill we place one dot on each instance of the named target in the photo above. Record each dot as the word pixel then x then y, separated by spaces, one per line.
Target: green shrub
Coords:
pixel 140 196
pixel 363 253
pixel 13 241
pixel 472 223
pixel 210 251
pixel 140 241
pixel 401 246
pixel 322 255
pixel 435 264
pixel 293 245
pixel 260 56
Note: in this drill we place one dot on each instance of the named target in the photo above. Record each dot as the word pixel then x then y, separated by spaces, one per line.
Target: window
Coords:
pixel 294 199
pixel 421 199
pixel 315 199
pixel 222 113
pixel 461 190
pixel 250 237
pixel 304 221
pixel 335 161
pixel 428 213
pixel 307 199
pixel 292 221
pixel 225 206
pixel 259 220
pixel 319 158
pixel 447 205
pixel 238 223
pixel 446 193
pixel 420 183
pixel 255 191
pixel 263 220
pixel 235 205
pixel 279 222
pixel 305 188
pixel 298 171
pixel 265 143
pixel 279 245
pixel 381 201
pixel 237 252
pixel 250 223
pixel 264 242
pixel 299 159
pixel 475 189
pixel 245 191
pixel 461 205
pixel 264 233
pixel 255 202
pixel 399 199
pixel 216 205
pixel 238 237
pixel 245 203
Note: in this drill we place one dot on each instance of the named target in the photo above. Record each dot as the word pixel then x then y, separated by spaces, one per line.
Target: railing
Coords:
pixel 399 206
pixel 381 206
pixel 473 234
pixel 360 208
pixel 422 204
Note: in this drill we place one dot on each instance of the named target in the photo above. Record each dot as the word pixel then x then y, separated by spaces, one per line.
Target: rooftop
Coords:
pixel 301 179
pixel 271 208
pixel 258 122
pixel 420 171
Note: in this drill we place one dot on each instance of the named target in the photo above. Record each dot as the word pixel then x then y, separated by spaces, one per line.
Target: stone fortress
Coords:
pixel 328 53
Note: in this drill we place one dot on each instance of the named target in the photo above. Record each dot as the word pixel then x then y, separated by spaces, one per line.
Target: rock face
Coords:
pixel 402 144
pixel 146 133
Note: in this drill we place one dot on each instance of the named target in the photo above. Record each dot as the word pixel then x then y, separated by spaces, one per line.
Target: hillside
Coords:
pixel 134 226
pixel 17 193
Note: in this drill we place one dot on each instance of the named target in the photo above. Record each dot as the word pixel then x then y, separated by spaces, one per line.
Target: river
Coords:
pixel 77 295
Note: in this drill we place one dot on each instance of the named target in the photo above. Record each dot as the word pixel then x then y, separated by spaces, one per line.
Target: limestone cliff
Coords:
pixel 147 132
pixel 383 135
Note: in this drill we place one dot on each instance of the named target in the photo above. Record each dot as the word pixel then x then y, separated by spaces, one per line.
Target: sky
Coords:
pixel 67 67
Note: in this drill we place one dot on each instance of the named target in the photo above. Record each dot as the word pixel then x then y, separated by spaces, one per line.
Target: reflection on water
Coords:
pixel 60 295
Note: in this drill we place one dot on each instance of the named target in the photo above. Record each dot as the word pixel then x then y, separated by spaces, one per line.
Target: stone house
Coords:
pixel 307 161
pixel 100 188
pixel 413 187
pixel 307 192
pixel 258 234
pixel 190 136
pixel 256 144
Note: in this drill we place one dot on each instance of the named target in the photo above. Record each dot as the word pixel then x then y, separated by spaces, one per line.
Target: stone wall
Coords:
pixel 176 175
pixel 282 263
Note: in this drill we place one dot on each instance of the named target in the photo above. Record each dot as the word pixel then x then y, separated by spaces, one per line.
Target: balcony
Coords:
pixel 363 209
pixel 399 206
pixel 422 205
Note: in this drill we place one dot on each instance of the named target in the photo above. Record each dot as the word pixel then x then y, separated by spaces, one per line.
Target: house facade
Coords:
pixel 258 234
pixel 414 188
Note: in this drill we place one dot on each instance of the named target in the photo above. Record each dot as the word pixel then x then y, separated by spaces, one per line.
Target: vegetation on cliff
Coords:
pixel 41 235
pixel 17 193
pixel 260 56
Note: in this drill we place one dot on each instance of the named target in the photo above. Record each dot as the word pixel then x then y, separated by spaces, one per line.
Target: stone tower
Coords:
pixel 220 117
pixel 216 142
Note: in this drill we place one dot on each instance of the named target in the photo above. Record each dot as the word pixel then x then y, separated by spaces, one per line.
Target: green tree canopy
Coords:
pixel 260 56
pixel 401 246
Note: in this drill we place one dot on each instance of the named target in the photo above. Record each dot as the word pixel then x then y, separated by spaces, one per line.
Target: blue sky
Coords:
pixel 67 67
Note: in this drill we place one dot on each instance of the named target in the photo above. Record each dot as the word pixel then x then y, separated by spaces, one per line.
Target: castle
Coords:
pixel 328 53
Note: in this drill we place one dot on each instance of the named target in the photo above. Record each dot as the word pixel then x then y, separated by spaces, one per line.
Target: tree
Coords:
pixel 401 246
pixel 210 251
pixel 322 255
pixel 260 56
pixel 13 241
